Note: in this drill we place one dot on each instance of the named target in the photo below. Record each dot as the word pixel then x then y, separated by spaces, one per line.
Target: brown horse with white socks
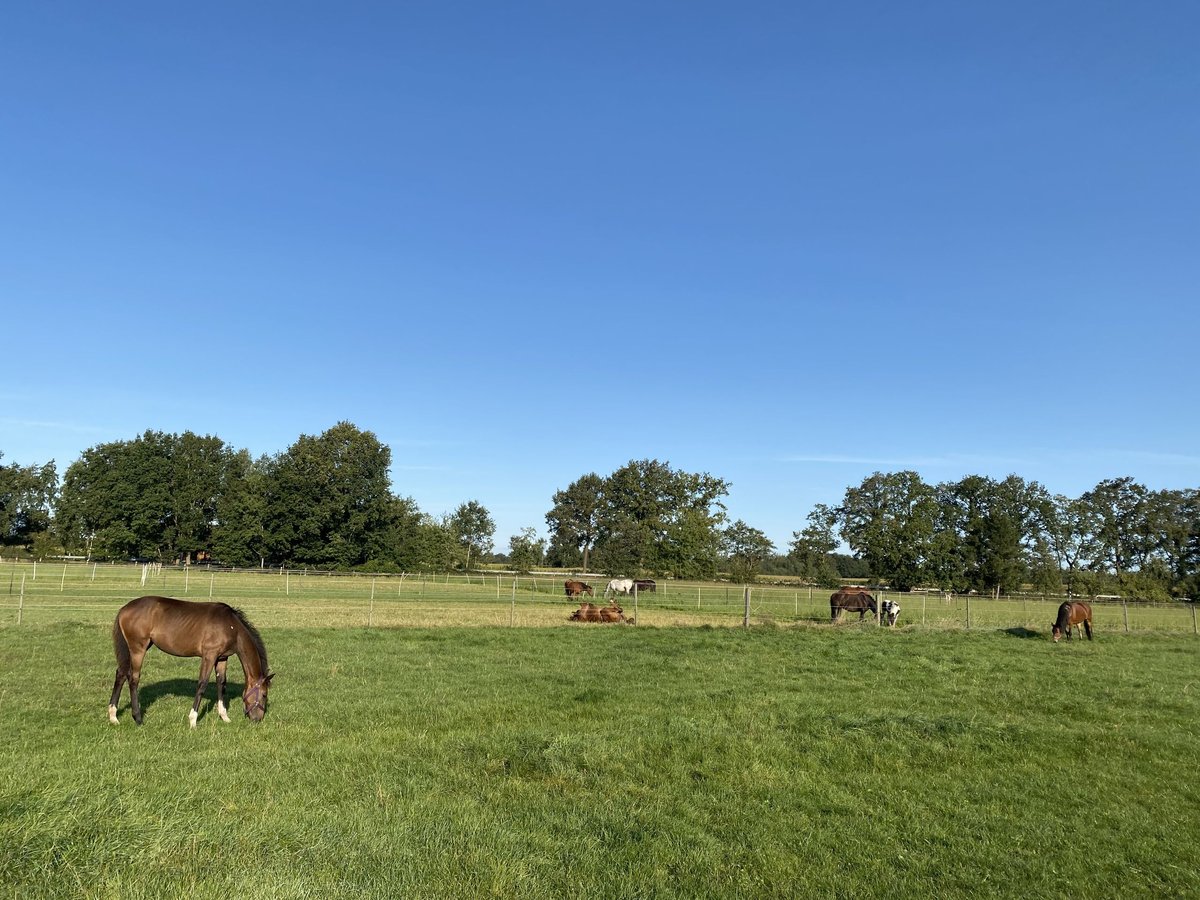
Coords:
pixel 211 631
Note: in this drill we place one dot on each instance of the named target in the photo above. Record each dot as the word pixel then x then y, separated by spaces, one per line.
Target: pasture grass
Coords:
pixel 604 761
pixel 58 591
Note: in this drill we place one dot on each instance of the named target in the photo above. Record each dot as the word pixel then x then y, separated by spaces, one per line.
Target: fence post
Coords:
pixel 968 612
pixel 21 601
pixel 512 613
pixel 635 609
pixel 1194 619
pixel 924 597
pixel 1125 610
pixel 746 607
pixel 211 578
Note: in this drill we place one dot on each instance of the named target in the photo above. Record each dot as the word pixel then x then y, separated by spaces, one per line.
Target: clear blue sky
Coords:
pixel 789 244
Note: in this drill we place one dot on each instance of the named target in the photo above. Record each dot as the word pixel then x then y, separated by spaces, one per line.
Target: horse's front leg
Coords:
pixel 221 710
pixel 206 665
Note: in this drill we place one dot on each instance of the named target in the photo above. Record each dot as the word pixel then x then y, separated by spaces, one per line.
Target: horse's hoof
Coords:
pixel 192 717
pixel 112 715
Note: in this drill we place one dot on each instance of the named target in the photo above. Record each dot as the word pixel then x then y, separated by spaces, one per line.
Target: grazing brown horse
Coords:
pixel 1069 614
pixel 211 631
pixel 851 600
pixel 575 588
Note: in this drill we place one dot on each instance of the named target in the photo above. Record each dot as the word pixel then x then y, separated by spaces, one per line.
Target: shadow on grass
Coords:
pixel 149 693
pixel 1022 632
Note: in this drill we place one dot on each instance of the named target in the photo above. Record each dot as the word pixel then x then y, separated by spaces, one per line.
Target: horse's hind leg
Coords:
pixel 136 655
pixel 122 674
pixel 221 710
pixel 1087 626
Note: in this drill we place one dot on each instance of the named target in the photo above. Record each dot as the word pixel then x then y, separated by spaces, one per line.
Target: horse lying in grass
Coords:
pixel 589 612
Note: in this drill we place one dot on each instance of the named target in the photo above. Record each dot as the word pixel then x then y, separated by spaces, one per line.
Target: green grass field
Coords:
pixel 607 761
pixel 61 592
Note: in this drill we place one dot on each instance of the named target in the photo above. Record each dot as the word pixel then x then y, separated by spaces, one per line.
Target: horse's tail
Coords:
pixel 120 645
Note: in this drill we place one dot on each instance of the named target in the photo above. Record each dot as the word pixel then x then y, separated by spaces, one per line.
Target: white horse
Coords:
pixel 619 586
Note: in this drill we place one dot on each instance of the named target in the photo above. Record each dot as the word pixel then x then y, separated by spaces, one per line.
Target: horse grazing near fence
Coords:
pixel 619 586
pixel 890 611
pixel 645 586
pixel 851 600
pixel 577 588
pixel 589 612
pixel 212 631
pixel 1069 614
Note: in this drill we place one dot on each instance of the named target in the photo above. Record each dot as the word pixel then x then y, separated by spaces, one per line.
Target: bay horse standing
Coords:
pixel 1069 614
pixel 854 599
pixel 211 631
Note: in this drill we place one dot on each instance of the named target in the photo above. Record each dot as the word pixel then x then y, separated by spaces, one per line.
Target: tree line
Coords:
pixel 327 502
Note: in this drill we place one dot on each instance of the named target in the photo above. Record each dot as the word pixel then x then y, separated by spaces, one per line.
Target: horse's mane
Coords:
pixel 255 637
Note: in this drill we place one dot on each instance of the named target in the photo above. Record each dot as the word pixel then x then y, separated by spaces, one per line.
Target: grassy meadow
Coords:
pixel 57 592
pixel 604 761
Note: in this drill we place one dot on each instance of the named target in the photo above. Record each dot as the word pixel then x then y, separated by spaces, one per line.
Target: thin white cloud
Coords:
pixel 48 425
pixel 901 462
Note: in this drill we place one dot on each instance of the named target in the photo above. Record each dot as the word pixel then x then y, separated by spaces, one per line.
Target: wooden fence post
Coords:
pixel 1125 611
pixel 968 612
pixel 746 607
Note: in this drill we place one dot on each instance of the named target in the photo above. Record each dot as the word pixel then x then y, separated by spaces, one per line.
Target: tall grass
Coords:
pixel 589 761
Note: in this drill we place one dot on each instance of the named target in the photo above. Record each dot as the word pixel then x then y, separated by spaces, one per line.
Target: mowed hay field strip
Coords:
pixel 607 761
pixel 63 592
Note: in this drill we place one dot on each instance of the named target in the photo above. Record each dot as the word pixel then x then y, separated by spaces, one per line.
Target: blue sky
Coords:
pixel 789 244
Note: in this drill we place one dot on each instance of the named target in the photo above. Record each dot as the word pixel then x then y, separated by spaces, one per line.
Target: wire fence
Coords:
pixel 42 593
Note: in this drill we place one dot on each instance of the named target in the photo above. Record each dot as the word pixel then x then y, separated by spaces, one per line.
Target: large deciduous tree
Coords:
pixel 154 496
pixel 643 518
pixel 474 527
pixel 525 550
pixel 27 496
pixel 327 499
pixel 812 548
pixel 889 520
pixel 746 548
pixel 574 520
